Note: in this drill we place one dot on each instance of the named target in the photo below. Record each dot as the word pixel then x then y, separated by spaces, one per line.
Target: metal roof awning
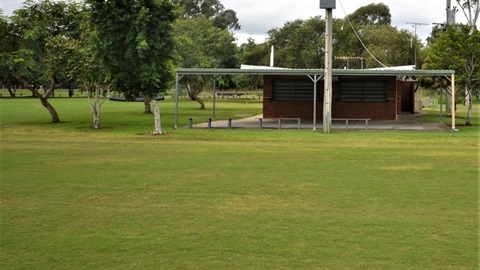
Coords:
pixel 335 72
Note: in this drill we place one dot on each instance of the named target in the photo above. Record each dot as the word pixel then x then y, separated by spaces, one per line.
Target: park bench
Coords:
pixel 280 121
pixel 209 122
pixel 352 119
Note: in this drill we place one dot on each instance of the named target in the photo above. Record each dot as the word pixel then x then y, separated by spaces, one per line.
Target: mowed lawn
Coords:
pixel 119 198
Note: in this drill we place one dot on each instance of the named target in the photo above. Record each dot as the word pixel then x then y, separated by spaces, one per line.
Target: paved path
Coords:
pixel 405 122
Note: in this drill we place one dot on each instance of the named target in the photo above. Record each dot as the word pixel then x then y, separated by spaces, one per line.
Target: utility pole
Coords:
pixel 328 5
pixel 415 24
pixel 450 20
pixel 451 13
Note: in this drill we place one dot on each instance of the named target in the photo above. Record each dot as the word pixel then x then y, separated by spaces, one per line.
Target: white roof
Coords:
pixel 259 67
pixel 409 67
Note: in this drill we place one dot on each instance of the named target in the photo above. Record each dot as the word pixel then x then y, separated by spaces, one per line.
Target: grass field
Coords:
pixel 119 198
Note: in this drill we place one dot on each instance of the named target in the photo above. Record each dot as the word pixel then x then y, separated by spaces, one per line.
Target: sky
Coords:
pixel 256 17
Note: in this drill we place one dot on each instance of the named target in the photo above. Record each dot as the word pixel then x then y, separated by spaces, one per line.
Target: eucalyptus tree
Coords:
pixel 471 10
pixel 368 34
pixel 299 43
pixel 365 33
pixel 202 45
pixel 212 9
pixel 391 46
pixel 372 14
pixel 457 49
pixel 48 33
pixel 135 44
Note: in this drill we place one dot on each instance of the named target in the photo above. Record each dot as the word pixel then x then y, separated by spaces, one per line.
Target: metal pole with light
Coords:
pixel 328 5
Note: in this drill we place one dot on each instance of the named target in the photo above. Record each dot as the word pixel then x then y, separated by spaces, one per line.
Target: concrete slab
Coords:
pixel 405 122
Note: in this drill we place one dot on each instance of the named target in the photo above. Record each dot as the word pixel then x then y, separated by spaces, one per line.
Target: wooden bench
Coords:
pixel 352 119
pixel 209 122
pixel 280 120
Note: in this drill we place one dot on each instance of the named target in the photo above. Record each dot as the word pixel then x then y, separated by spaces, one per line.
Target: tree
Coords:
pixel 299 43
pixel 10 43
pixel 135 44
pixel 202 45
pixel 251 53
pixel 373 14
pixel 48 32
pixel 90 73
pixel 471 10
pixel 383 44
pixel 457 49
pixel 391 46
pixel 224 19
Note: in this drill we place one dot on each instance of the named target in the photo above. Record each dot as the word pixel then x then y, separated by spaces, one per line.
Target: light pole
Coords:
pixel 328 5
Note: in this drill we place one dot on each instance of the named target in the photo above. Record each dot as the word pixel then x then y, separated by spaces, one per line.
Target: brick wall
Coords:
pixel 304 109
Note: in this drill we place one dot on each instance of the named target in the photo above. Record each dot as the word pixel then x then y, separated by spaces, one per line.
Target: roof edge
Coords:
pixel 335 72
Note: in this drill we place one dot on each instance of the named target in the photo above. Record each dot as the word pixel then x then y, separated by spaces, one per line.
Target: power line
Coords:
pixel 356 34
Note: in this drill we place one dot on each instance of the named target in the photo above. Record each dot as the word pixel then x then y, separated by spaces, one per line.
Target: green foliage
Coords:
pixel 202 45
pixel 299 43
pixel 393 47
pixel 212 9
pixel 10 43
pixel 135 43
pixel 372 14
pixel 458 50
pixel 40 39
pixel 47 33
pixel 251 53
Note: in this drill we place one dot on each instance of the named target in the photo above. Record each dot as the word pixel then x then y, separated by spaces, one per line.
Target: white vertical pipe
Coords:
pixel 272 57
pixel 453 102
pixel 176 101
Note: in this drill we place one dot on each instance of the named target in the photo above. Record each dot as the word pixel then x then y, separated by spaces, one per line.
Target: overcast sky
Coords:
pixel 258 16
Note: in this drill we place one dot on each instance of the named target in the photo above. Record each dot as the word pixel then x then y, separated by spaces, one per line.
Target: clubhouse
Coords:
pixel 376 94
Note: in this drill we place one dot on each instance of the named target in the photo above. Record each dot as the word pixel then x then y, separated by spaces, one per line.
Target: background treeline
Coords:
pixel 50 44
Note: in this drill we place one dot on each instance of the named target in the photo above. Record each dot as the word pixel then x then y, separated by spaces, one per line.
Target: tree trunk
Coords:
pixel 53 112
pixel 468 103
pixel 96 98
pixel 199 100
pixel 96 119
pixel 158 124
pixel 193 92
pixel 96 107
pixel 43 99
pixel 146 101
pixel 194 88
pixel 11 91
